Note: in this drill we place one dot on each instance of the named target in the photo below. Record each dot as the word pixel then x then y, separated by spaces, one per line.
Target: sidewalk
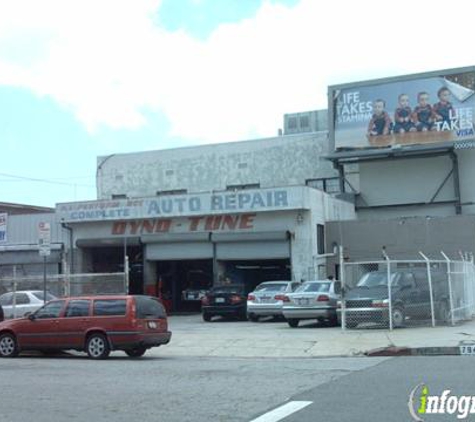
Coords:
pixel 193 337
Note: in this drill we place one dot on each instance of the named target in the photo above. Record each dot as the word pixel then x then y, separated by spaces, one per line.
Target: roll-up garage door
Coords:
pixel 178 246
pixel 248 246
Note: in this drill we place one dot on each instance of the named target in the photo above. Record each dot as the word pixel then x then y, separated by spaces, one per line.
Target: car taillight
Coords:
pixel 236 299
pixel 251 297
pixel 380 303
pixel 323 298
pixel 283 298
pixel 205 300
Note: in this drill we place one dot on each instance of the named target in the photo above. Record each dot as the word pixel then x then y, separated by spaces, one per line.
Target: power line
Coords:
pixel 35 179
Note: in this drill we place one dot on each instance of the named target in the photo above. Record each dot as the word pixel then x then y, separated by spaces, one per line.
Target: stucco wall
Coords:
pixel 279 161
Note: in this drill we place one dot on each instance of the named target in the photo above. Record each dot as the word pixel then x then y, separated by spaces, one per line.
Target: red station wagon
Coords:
pixel 95 324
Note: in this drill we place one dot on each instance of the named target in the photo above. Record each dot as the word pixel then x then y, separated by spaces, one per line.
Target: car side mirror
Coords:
pixel 31 317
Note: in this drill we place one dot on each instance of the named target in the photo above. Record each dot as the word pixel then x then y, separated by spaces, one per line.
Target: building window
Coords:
pixel 242 166
pixel 119 196
pixel 243 187
pixel 169 172
pixel 320 239
pixel 304 122
pixel 328 185
pixel 292 123
pixel 172 192
pixel 332 185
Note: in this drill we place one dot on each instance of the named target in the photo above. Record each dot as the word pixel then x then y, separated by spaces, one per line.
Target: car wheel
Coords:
pixel 333 320
pixel 8 346
pixel 253 317
pixel 398 317
pixel 293 322
pixel 242 316
pixel 444 312
pixel 97 346
pixel 207 317
pixel 137 352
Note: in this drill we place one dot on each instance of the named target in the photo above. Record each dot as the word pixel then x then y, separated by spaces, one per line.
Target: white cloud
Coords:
pixel 108 62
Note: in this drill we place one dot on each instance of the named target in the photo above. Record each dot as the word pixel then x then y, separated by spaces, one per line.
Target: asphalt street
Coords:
pixel 167 389
pixel 381 392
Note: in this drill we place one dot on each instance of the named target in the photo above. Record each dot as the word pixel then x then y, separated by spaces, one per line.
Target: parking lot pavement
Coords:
pixel 194 337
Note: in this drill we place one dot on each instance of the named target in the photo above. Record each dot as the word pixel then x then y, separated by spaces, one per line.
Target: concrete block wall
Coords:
pixel 279 161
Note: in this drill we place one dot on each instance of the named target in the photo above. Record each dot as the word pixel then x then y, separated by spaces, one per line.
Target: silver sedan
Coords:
pixel 267 299
pixel 17 304
pixel 313 300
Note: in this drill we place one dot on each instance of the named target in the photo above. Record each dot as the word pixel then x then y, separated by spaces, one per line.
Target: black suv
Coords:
pixel 410 297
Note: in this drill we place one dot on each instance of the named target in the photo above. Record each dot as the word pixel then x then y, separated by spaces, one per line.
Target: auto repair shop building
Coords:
pixel 246 211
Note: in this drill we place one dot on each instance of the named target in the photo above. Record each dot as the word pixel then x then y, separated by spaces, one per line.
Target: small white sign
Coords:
pixel 44 238
pixel 467 350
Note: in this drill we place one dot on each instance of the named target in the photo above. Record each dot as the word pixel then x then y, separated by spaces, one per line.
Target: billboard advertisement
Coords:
pixel 3 227
pixel 427 108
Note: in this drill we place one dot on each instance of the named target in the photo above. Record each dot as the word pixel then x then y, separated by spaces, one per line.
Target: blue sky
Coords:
pixel 84 78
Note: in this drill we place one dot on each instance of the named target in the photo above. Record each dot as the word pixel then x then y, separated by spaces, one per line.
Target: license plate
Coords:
pixel 219 300
pixel 191 297
pixel 304 301
pixel 467 350
pixel 152 324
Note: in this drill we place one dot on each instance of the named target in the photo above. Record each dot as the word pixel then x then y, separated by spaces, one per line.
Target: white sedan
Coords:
pixel 25 301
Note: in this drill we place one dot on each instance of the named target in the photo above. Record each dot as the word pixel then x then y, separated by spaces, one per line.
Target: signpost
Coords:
pixel 44 247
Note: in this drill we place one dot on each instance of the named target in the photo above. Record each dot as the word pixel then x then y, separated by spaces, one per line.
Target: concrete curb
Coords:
pixel 415 351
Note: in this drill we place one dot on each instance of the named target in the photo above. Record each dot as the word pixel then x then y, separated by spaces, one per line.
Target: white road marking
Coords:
pixel 282 411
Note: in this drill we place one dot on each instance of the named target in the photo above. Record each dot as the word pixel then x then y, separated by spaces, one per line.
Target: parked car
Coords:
pixel 226 300
pixel 410 296
pixel 313 300
pixel 94 324
pixel 267 299
pixel 197 285
pixel 26 301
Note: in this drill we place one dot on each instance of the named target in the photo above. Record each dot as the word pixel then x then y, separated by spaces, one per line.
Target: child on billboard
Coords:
pixel 423 116
pixel 380 123
pixel 403 116
pixel 444 110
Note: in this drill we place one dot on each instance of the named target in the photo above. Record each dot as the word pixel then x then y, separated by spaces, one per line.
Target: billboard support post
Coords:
pixel 455 167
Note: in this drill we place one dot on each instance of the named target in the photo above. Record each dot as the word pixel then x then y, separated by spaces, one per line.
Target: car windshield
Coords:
pixel 231 288
pixel 313 287
pixel 271 287
pixel 377 279
pixel 40 295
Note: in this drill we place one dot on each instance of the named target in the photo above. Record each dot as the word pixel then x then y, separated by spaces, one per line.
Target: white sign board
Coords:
pixel 199 204
pixel 3 227
pixel 44 238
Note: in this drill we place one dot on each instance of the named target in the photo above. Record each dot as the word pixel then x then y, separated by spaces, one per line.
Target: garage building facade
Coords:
pixel 189 218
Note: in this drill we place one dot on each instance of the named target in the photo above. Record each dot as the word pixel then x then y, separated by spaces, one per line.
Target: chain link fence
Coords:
pixel 20 294
pixel 407 293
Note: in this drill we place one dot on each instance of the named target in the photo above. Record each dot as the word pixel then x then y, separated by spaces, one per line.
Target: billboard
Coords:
pixel 3 227
pixel 416 109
